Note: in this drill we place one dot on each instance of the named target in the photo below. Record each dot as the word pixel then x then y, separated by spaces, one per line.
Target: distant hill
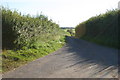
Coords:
pixel 67 28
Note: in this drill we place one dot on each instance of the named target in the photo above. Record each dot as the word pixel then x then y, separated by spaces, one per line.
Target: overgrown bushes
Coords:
pixel 23 31
pixel 101 29
pixel 26 38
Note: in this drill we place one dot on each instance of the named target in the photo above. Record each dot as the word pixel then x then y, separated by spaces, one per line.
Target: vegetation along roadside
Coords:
pixel 101 29
pixel 26 38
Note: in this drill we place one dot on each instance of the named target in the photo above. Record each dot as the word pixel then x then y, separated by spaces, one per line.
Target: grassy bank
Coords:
pixel 26 38
pixel 14 58
pixel 101 29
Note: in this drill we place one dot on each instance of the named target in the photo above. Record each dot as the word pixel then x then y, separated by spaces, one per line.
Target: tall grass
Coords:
pixel 101 29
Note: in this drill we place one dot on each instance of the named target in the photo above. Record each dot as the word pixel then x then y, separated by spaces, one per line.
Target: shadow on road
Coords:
pixel 77 59
pixel 92 53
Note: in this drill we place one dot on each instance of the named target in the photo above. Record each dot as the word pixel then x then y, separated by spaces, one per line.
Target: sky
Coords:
pixel 66 13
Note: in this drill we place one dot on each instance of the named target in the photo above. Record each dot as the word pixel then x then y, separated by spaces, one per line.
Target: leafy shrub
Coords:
pixel 26 38
pixel 23 30
pixel 101 29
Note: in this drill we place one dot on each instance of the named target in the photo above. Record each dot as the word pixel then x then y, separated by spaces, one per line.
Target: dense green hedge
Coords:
pixel 20 31
pixel 101 29
pixel 26 38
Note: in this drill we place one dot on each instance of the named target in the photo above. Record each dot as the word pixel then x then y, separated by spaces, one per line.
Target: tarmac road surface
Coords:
pixel 77 59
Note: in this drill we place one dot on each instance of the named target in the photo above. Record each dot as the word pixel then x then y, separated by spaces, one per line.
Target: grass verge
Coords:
pixel 14 58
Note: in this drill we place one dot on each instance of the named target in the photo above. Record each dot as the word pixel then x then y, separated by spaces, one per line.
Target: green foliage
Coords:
pixel 19 31
pixel 27 38
pixel 101 29
pixel 70 32
pixel 12 59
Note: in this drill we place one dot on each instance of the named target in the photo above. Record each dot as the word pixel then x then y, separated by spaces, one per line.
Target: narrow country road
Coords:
pixel 77 59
